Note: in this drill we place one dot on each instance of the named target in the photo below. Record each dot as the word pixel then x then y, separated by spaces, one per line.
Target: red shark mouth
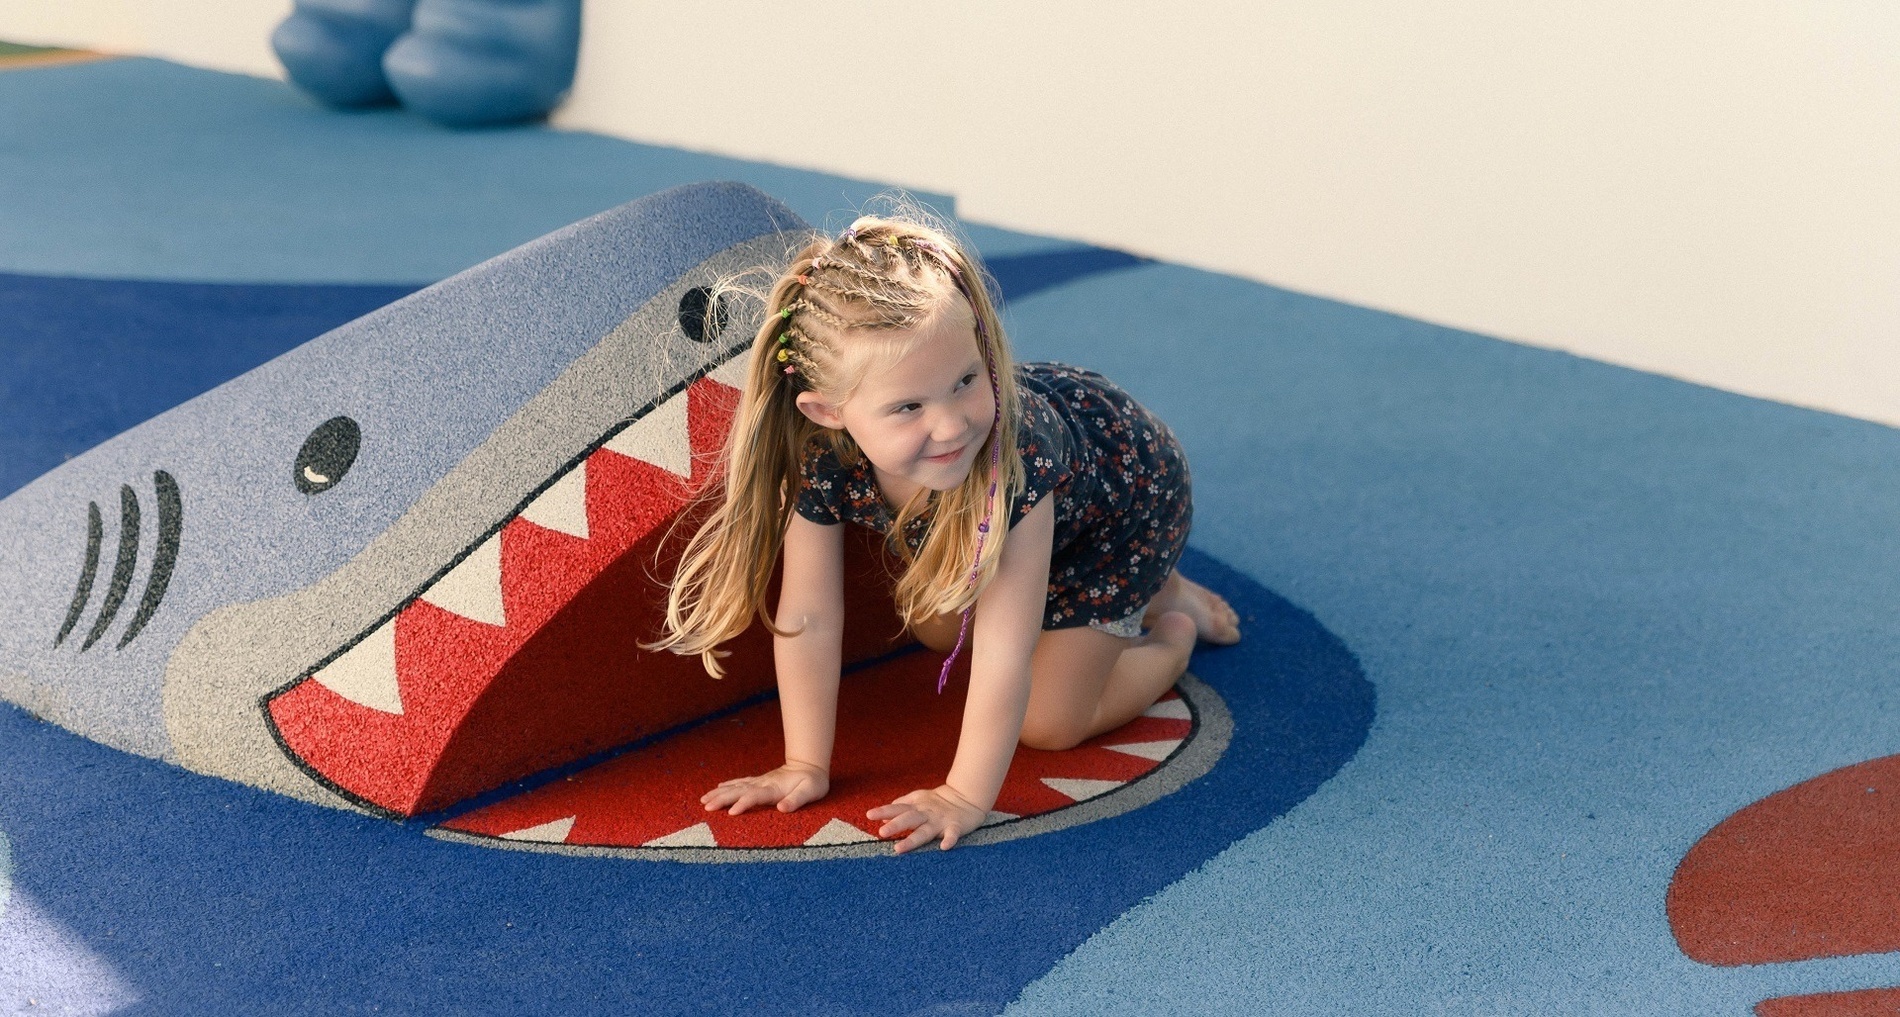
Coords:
pixel 523 657
pixel 895 735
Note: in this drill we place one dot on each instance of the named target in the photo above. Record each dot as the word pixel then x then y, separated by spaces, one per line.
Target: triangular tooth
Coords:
pixel 1169 709
pixel 366 672
pixel 996 817
pixel 659 438
pixel 837 831
pixel 563 506
pixel 1080 789
pixel 472 588
pixel 697 835
pixel 553 832
pixel 1156 751
pixel 732 372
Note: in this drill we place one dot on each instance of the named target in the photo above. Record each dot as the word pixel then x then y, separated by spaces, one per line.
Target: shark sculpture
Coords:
pixel 335 576
pixel 414 560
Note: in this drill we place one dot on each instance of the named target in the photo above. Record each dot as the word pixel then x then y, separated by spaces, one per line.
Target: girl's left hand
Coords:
pixel 928 815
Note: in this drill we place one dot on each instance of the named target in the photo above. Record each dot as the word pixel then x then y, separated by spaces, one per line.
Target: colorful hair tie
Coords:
pixel 784 355
pixel 786 313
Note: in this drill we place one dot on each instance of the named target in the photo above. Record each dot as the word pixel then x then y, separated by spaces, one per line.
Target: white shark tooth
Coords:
pixel 732 372
pixel 697 835
pixel 1080 789
pixel 1169 709
pixel 472 588
pixel 552 832
pixel 563 506
pixel 1156 751
pixel 659 438
pixel 366 672
pixel 996 817
pixel 837 831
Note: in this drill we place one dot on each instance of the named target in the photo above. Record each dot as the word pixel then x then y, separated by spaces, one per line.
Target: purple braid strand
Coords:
pixel 989 504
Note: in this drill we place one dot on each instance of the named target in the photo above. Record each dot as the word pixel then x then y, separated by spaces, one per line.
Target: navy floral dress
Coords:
pixel 1119 477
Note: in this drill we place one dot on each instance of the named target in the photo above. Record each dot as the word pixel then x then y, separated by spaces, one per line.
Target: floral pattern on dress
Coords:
pixel 1123 497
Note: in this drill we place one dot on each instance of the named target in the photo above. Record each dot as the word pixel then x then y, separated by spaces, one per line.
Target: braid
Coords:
pixel 894 312
pixel 824 314
pixel 851 268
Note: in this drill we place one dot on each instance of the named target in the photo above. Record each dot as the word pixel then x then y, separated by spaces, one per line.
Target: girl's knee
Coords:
pixel 1052 734
pixel 938 633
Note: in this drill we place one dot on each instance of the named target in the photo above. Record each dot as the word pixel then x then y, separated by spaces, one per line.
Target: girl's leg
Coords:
pixel 1084 681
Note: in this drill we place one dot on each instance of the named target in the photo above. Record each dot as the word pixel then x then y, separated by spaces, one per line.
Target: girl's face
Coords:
pixel 921 420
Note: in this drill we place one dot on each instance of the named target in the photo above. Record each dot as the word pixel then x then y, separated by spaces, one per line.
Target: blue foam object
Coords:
pixel 333 49
pixel 472 63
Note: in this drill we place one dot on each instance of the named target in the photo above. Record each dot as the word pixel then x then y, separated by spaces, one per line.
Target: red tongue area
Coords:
pixel 472 705
pixel 895 735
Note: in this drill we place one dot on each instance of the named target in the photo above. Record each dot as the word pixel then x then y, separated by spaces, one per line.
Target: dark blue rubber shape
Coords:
pixel 310 910
pixel 471 63
pixel 333 49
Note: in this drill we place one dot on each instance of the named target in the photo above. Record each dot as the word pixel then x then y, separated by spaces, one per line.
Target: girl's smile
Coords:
pixel 920 420
pixel 947 458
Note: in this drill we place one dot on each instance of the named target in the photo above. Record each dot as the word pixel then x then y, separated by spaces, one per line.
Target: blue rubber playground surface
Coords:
pixel 1520 628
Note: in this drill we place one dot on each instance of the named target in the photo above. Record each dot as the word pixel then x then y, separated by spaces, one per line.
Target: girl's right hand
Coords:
pixel 789 786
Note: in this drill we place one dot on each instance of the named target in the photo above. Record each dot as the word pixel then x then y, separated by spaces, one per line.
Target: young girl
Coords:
pixel 1038 497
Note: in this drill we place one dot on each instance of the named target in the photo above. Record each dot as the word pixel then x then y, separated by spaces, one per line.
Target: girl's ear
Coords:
pixel 819 412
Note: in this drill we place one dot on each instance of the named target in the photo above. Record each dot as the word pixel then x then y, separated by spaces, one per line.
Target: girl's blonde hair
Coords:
pixel 841 309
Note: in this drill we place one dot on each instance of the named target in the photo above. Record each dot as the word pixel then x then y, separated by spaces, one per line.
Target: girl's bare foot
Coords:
pixel 1214 620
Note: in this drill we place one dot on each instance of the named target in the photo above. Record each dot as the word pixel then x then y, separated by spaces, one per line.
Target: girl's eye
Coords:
pixel 907 407
pixel 968 378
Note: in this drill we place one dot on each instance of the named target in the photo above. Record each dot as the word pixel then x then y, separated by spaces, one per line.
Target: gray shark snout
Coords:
pixel 168 530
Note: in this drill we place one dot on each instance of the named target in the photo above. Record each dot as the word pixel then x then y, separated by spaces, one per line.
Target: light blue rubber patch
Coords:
pixel 1603 610
pixel 146 169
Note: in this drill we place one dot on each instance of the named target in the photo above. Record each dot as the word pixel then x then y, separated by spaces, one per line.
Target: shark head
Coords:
pixel 412 558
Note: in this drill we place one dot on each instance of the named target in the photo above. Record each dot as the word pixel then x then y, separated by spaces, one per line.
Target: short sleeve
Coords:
pixel 819 484
pixel 1046 446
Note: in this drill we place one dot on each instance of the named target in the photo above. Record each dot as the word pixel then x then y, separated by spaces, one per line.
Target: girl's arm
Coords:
pixel 810 603
pixel 1007 625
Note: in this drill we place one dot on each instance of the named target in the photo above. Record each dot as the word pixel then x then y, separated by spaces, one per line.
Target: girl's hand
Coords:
pixel 928 815
pixel 789 786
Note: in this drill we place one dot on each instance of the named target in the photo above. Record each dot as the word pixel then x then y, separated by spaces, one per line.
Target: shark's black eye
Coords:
pixel 702 315
pixel 326 455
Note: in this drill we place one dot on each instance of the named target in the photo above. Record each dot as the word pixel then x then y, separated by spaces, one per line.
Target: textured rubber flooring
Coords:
pixel 1599 612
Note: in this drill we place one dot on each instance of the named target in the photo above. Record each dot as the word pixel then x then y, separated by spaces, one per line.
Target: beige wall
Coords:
pixel 230 35
pixel 1704 190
